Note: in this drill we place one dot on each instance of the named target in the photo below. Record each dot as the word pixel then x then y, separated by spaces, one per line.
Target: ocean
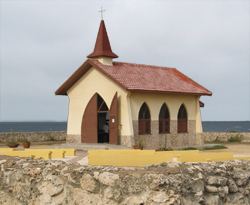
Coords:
pixel 208 126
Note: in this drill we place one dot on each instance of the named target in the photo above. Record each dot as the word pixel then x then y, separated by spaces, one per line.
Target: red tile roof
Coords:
pixel 102 45
pixel 139 77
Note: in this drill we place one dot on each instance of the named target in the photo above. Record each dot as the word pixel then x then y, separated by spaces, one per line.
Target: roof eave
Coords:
pixel 170 92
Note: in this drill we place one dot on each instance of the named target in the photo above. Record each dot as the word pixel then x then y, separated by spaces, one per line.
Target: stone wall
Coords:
pixel 38 182
pixel 225 136
pixel 174 139
pixel 32 136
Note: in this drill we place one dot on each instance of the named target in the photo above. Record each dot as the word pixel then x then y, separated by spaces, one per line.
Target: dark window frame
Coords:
pixel 144 120
pixel 182 122
pixel 164 119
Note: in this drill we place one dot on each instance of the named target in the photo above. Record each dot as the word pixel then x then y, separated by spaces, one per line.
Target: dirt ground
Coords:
pixel 239 148
pixel 236 149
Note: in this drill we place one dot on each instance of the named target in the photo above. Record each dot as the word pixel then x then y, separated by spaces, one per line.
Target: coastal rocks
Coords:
pixel 108 178
pixel 159 197
pixel 216 180
pixel 35 182
pixel 88 183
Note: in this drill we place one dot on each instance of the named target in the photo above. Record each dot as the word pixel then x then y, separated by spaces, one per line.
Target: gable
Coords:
pixel 94 81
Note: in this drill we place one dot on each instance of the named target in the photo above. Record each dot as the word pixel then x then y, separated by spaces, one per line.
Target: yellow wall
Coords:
pixel 155 101
pixel 140 158
pixel 173 101
pixel 198 117
pixel 81 92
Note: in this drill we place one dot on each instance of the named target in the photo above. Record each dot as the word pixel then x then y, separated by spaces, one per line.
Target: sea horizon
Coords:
pixel 40 126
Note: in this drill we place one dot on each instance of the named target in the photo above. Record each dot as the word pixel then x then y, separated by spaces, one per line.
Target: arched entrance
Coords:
pixel 99 124
pixel 102 120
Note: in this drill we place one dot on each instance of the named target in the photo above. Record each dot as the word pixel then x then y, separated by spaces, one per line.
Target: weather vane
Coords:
pixel 102 11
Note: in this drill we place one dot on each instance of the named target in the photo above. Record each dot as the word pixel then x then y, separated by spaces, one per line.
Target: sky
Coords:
pixel 42 42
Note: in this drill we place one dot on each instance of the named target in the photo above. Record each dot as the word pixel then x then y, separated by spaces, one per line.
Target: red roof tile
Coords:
pixel 102 45
pixel 139 77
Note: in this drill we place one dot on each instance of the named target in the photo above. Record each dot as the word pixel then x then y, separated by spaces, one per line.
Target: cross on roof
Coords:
pixel 101 11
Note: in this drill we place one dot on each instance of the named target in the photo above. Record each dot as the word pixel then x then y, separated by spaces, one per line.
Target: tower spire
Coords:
pixel 102 45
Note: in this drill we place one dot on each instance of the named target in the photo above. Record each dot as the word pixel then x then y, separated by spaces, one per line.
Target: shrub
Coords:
pixel 12 144
pixel 235 138
pixel 217 146
pixel 189 148
pixel 165 149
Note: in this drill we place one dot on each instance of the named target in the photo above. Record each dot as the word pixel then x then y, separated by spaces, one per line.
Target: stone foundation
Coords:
pixel 73 139
pixel 126 140
pixel 225 136
pixel 173 139
pixel 32 136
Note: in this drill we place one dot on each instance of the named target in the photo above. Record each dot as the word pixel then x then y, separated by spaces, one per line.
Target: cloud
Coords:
pixel 43 42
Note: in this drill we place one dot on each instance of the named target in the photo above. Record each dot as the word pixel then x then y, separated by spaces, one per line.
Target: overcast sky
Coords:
pixel 43 42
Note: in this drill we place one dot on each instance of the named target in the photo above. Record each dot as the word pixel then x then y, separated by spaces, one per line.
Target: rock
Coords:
pixel 3 161
pixel 82 197
pixel 211 189
pixel 108 178
pixel 223 191
pixel 216 180
pixel 237 198
pixel 242 178
pixel 138 199
pixel 232 186
pixel 159 197
pixel 197 185
pixel 113 194
pixel 88 183
pixel 212 200
pixel 33 182
pixel 52 187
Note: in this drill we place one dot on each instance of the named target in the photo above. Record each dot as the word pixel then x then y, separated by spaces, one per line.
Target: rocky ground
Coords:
pixel 33 182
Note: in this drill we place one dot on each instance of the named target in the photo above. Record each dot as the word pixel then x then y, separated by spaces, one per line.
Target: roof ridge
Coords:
pixel 142 64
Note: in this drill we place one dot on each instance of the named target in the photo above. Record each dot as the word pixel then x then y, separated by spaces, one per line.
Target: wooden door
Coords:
pixel 113 121
pixel 89 122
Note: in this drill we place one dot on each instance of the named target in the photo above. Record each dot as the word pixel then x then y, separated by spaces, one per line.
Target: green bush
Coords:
pixel 217 146
pixel 165 149
pixel 235 138
pixel 189 148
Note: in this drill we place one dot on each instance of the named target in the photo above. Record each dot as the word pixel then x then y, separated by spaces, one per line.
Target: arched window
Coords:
pixel 164 119
pixel 182 120
pixel 144 120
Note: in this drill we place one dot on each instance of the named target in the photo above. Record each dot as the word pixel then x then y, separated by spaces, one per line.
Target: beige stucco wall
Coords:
pixel 129 104
pixel 82 91
pixel 198 117
pixel 173 101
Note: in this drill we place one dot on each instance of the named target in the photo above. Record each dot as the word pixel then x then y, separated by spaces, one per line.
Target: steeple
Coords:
pixel 102 45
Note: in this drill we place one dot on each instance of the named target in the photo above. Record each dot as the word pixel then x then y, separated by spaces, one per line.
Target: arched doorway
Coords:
pixel 182 120
pixel 99 123
pixel 102 120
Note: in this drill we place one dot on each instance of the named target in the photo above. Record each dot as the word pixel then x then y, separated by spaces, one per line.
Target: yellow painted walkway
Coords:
pixel 38 153
pixel 138 158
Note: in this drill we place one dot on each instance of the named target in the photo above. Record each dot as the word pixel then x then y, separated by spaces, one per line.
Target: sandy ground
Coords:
pixel 239 149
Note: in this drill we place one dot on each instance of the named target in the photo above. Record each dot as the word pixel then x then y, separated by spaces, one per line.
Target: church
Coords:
pixel 131 104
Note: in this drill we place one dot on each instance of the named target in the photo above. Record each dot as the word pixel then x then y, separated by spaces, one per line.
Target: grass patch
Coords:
pixel 189 148
pixel 164 149
pixel 202 148
pixel 213 147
